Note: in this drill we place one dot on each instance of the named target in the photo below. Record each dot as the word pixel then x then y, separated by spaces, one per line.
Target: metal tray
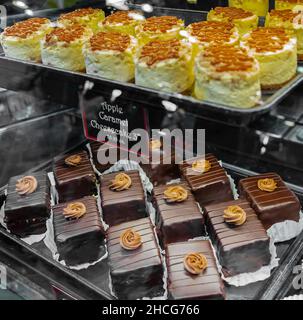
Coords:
pixel 92 283
pixel 64 86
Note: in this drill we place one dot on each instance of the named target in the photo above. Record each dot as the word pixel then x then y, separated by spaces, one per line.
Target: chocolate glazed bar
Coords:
pixel 207 179
pixel 79 239
pixel 27 205
pixel 242 243
pixel 74 176
pixel 183 284
pixel 270 198
pixel 122 202
pixel 179 218
pixel 134 259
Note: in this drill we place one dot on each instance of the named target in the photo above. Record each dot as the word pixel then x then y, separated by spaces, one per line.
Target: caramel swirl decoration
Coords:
pixel 130 240
pixel 234 215
pixel 201 166
pixel 268 185
pixel 73 161
pixel 195 263
pixel 175 194
pixel 121 182
pixel 155 144
pixel 74 210
pixel 26 185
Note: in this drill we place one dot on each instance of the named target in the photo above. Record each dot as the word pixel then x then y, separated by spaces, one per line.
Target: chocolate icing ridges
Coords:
pixel 182 285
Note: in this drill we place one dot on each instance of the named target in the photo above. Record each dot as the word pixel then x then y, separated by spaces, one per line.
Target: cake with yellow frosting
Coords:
pixel 165 65
pixel 87 17
pixel 111 55
pixel 63 47
pixel 159 28
pixel 287 4
pixel 227 75
pixel 122 21
pixel 204 33
pixel 288 20
pixel 242 19
pixel 22 40
pixel 276 51
pixel 258 7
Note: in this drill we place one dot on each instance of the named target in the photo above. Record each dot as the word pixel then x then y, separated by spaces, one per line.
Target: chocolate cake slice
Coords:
pixel 178 215
pixel 74 176
pixel 270 197
pixel 125 203
pixel 134 259
pixel 182 283
pixel 240 239
pixel 27 204
pixel 160 164
pixel 78 231
pixel 207 179
pixel 98 149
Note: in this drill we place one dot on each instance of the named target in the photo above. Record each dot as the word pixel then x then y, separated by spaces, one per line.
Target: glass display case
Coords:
pixel 42 119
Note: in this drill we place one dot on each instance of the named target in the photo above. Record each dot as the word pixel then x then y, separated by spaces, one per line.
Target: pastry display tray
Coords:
pixel 63 86
pixel 93 283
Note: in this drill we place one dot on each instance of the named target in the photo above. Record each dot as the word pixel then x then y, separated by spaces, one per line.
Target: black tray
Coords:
pixel 92 283
pixel 64 86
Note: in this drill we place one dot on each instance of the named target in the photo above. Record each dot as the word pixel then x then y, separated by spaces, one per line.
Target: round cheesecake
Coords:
pixel 227 75
pixel 242 19
pixel 22 40
pixel 159 28
pixel 122 21
pixel 276 51
pixel 63 47
pixel 288 20
pixel 165 65
pixel 87 17
pixel 204 33
pixel 111 55
pixel 287 4
pixel 258 7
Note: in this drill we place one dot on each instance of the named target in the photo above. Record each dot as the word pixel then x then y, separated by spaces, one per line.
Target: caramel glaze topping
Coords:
pixel 74 210
pixel 78 13
pixel 67 35
pixel 175 194
pixel 234 215
pixel 226 58
pixel 26 185
pixel 130 240
pixel 284 15
pixel 25 28
pixel 268 39
pixel 123 17
pixel 160 24
pixel 268 185
pixel 233 13
pixel 158 50
pixel 110 41
pixel 212 31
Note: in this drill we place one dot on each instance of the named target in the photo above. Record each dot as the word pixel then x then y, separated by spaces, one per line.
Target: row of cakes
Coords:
pixel 237 228
pixel 260 7
pixel 226 59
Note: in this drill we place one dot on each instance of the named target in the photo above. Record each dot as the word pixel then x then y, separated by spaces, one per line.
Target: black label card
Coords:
pixel 112 118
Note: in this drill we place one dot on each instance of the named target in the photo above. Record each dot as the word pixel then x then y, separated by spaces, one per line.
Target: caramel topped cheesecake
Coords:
pixel 159 28
pixel 287 4
pixel 122 21
pixel 111 55
pixel 62 47
pixel 242 19
pixel 165 65
pixel 276 51
pixel 22 40
pixel 288 20
pixel 207 32
pixel 258 7
pixel 227 75
pixel 87 17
